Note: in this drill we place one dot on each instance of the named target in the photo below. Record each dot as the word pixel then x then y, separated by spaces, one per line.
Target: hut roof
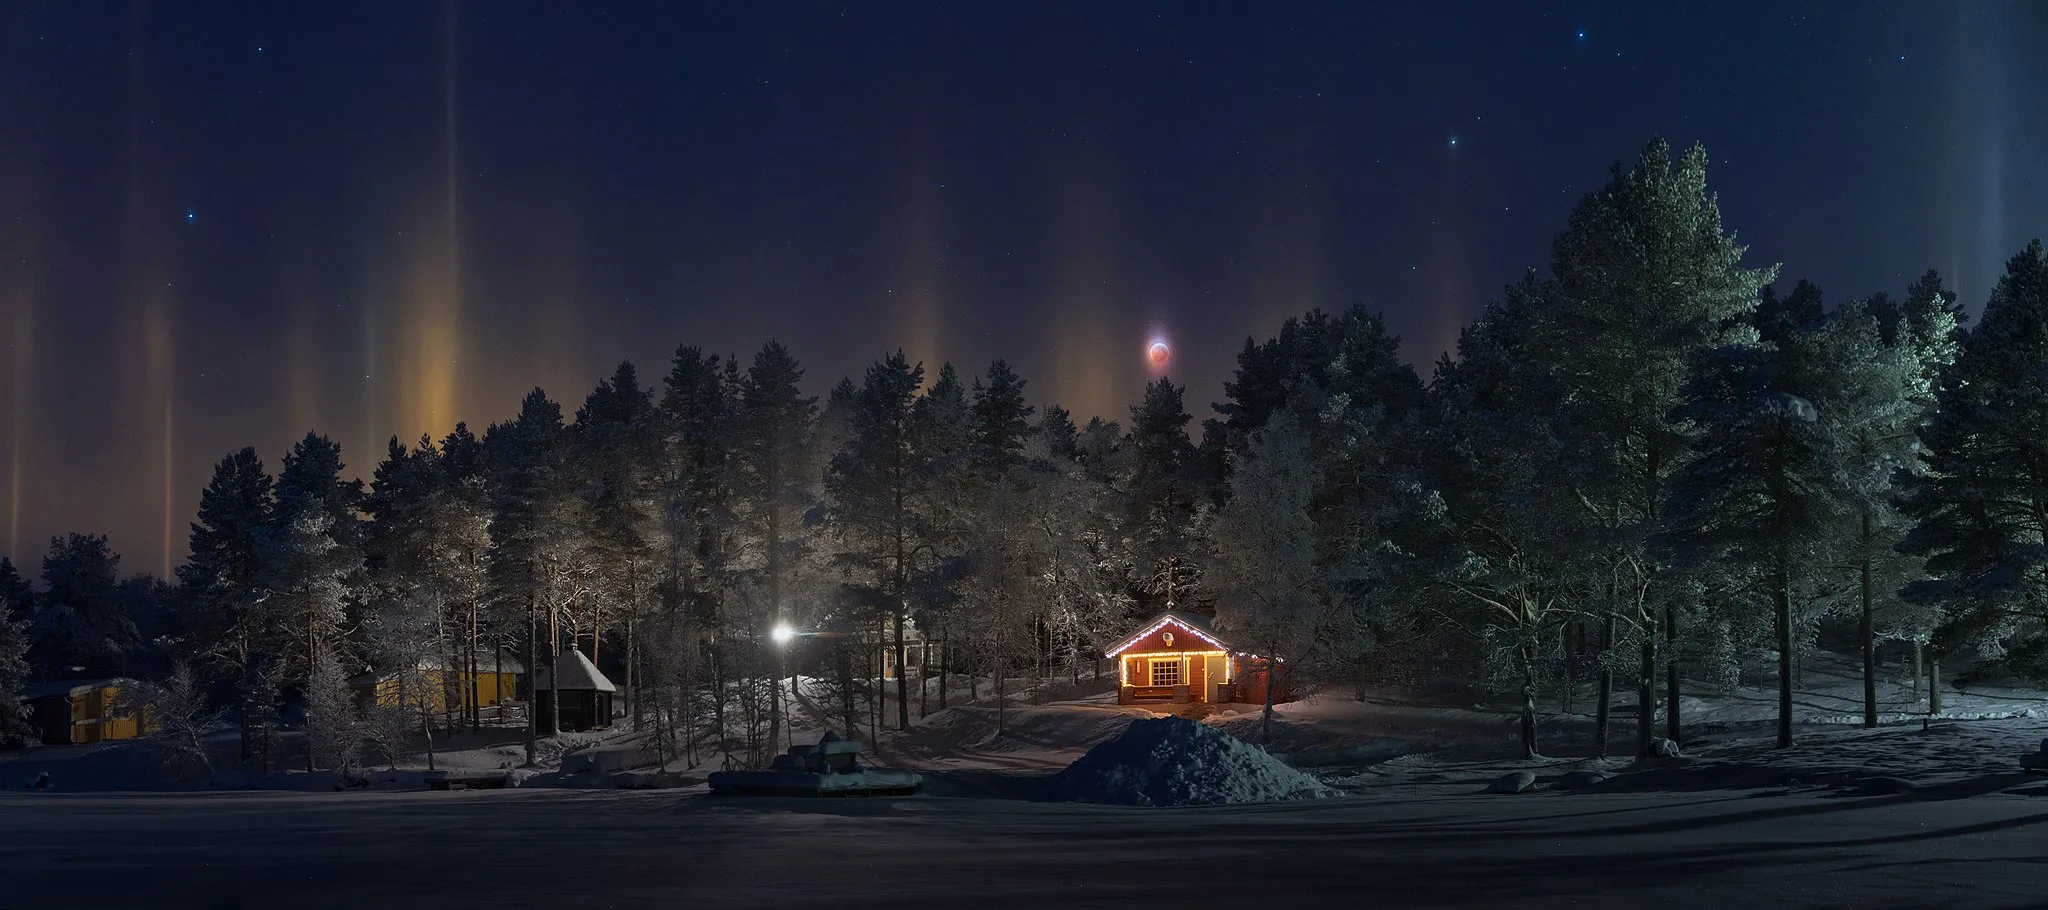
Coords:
pixel 70 687
pixel 486 662
pixel 1195 623
pixel 577 673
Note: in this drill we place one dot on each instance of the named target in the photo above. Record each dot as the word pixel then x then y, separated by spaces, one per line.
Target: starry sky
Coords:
pixel 227 224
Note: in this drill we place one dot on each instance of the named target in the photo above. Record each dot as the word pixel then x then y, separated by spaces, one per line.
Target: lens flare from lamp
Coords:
pixel 783 633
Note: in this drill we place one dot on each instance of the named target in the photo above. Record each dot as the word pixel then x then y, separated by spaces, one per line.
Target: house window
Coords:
pixel 1166 672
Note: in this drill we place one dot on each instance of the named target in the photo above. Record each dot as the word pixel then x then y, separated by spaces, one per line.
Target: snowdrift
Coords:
pixel 1171 761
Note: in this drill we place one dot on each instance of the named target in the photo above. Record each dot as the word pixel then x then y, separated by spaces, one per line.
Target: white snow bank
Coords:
pixel 1171 761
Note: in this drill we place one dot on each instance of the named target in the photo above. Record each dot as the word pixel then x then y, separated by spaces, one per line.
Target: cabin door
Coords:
pixel 1219 669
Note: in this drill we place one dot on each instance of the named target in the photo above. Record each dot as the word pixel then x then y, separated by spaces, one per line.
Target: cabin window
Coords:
pixel 1166 672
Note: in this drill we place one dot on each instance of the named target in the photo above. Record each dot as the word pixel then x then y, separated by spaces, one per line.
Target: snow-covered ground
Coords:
pixel 555 848
pixel 1921 812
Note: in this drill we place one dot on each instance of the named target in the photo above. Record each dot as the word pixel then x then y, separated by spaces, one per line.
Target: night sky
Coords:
pixel 227 224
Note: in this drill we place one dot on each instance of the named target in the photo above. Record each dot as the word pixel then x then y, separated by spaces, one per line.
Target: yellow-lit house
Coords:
pixel 445 690
pixel 71 711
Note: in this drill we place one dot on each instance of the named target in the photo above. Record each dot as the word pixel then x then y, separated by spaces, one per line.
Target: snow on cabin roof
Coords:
pixel 577 673
pixel 70 687
pixel 1195 623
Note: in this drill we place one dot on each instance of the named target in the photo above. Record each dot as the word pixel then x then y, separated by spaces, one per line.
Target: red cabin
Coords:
pixel 1178 659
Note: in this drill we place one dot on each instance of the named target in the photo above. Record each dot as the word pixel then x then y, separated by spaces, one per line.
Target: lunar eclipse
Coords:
pixel 1158 354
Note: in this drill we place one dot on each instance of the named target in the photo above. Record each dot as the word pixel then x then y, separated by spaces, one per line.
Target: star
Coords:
pixel 191 215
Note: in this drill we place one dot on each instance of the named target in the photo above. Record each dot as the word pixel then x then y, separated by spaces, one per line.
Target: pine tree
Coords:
pixel 1646 281
pixel 15 596
pixel 406 627
pixel 1870 369
pixel 1978 505
pixel 463 551
pixel 312 570
pixel 873 481
pixel 1495 543
pixel 1769 489
pixel 699 410
pixel 536 541
pixel 235 632
pixel 1270 591
pixel 1162 493
pixel 616 442
pixel 1002 419
pixel 81 627
pixel 774 425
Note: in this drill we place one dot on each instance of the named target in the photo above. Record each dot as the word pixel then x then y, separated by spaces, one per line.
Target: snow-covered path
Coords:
pixel 663 849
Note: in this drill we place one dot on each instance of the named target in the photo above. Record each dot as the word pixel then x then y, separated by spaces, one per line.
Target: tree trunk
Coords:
pixel 554 672
pixel 242 696
pixel 427 728
pixel 312 657
pixel 1646 690
pixel 1603 706
pixel 902 671
pixel 924 660
pixel 498 655
pixel 945 656
pixel 1917 649
pixel 775 701
pixel 1528 662
pixel 1781 594
pixel 1672 727
pixel 1933 682
pixel 532 668
pixel 1867 632
pixel 1266 715
pixel 632 666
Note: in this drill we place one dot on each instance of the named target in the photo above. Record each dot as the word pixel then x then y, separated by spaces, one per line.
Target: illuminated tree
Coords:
pixel 1978 506
pixel 1646 281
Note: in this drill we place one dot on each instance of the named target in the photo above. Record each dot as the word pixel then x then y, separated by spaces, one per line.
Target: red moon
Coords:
pixel 1158 354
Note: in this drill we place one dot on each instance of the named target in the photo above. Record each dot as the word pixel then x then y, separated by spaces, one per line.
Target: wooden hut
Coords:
pixel 446 689
pixel 1178 659
pixel 585 694
pixel 71 711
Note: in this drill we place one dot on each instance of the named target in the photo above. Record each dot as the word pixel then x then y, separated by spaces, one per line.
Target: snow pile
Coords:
pixel 1171 761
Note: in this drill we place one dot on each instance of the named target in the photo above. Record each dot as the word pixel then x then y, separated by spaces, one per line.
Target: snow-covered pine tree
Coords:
pixel 1501 543
pixel 179 709
pixel 81 626
pixel 1767 491
pixel 617 443
pixel 312 569
pixel 15 595
pixel 1163 491
pixel 463 556
pixel 334 726
pixel 774 424
pixel 699 410
pixel 1647 280
pixel 1869 370
pixel 1271 594
pixel 1979 503
pixel 874 480
pixel 234 631
pixel 408 626
pixel 537 558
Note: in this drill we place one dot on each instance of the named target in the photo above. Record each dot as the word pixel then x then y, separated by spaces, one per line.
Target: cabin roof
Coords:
pixel 577 673
pixel 486 662
pixel 1194 623
pixel 69 687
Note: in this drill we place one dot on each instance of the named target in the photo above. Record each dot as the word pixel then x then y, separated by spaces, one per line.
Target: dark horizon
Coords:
pixel 230 228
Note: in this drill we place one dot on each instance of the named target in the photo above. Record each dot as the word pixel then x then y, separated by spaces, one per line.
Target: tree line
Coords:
pixel 1643 469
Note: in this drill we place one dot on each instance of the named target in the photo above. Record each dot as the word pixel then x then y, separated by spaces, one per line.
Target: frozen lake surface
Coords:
pixel 1980 845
